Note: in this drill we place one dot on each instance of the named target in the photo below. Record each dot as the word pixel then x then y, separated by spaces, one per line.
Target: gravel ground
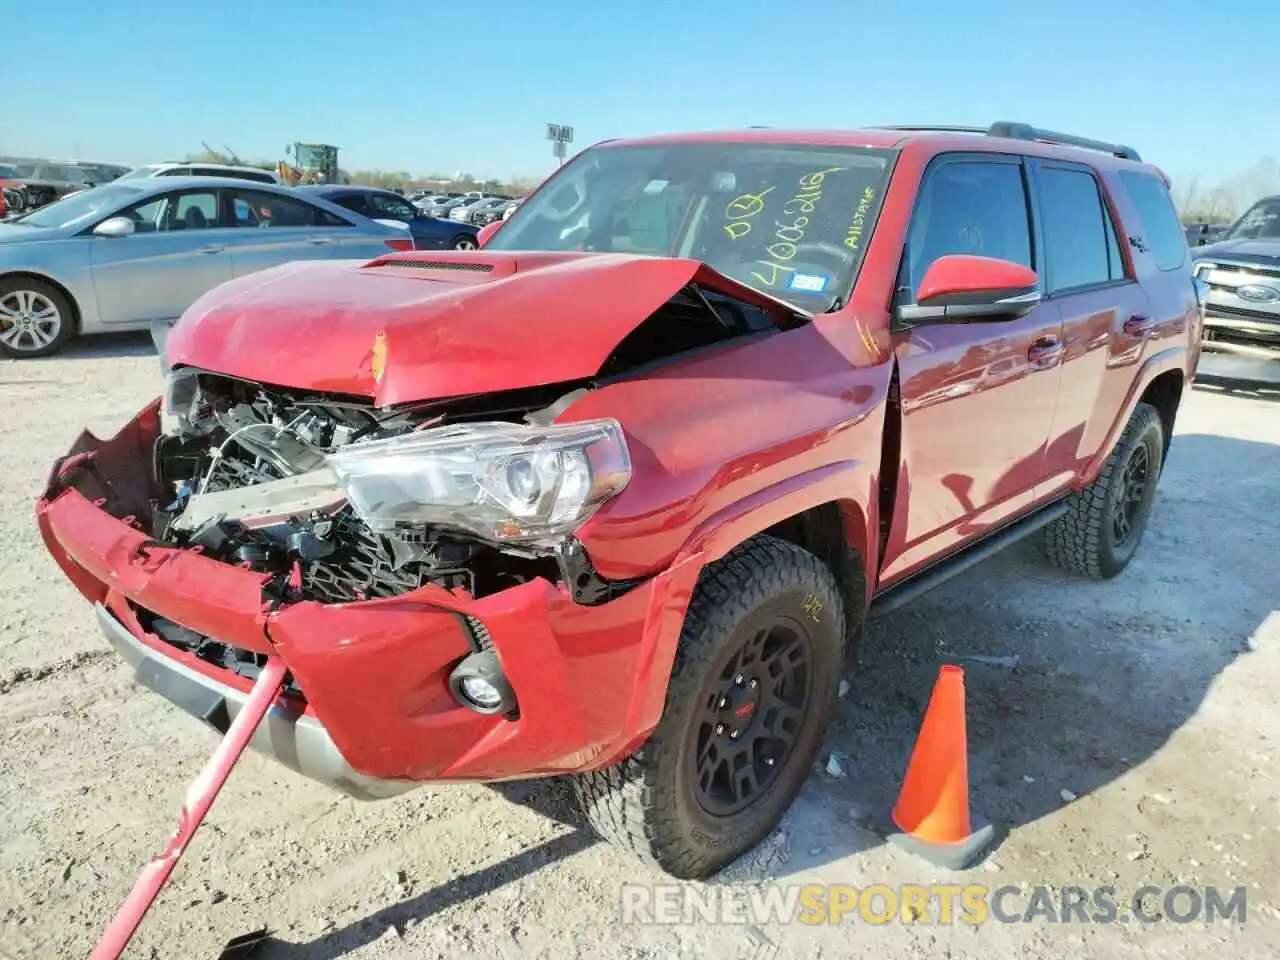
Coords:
pixel 1121 733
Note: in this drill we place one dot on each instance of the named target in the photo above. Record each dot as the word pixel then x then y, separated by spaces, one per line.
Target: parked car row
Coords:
pixel 429 232
pixel 43 181
pixel 134 254
pixel 473 208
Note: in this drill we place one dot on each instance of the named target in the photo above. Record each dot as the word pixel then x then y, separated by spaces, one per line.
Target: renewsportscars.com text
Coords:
pixel 939 903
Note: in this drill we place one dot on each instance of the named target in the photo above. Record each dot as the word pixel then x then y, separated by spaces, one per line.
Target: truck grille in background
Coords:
pixel 1237 274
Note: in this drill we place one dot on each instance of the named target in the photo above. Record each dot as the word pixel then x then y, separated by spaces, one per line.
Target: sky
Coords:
pixel 430 87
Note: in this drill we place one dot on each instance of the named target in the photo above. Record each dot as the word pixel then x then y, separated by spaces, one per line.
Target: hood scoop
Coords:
pixel 434 265
pixel 445 266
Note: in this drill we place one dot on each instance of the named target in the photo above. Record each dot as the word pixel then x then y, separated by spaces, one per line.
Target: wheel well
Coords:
pixel 1165 393
pixel 821 531
pixel 75 307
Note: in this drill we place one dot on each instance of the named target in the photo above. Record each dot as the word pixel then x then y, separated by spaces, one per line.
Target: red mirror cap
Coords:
pixel 961 273
pixel 487 231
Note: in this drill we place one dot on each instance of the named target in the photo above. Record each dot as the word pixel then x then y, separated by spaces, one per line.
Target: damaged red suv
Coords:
pixel 610 496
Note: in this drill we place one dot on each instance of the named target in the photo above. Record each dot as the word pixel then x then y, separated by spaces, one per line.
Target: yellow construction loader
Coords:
pixel 309 163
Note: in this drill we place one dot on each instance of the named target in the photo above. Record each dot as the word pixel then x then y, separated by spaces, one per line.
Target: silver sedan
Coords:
pixel 135 254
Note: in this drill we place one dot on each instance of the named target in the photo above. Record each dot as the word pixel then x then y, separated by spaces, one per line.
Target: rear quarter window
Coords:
pixel 1161 227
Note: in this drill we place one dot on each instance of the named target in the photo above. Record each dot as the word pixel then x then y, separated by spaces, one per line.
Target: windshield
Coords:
pixel 7 171
pixel 1260 222
pixel 79 207
pixel 790 220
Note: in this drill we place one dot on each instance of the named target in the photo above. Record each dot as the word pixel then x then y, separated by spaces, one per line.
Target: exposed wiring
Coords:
pixel 217 454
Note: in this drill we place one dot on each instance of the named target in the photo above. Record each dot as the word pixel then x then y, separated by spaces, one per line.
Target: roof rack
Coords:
pixel 929 128
pixel 1024 131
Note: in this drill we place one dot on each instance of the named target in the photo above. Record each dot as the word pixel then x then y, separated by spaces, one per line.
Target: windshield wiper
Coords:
pixel 836 304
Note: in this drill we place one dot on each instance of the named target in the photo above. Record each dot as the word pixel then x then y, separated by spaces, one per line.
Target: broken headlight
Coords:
pixel 185 407
pixel 181 391
pixel 502 482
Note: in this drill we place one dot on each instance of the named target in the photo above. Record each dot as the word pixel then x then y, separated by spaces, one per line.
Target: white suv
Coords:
pixel 203 169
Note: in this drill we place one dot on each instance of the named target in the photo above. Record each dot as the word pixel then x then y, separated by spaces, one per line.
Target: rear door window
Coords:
pixel 355 202
pixel 1081 249
pixel 258 208
pixel 1161 228
pixel 391 206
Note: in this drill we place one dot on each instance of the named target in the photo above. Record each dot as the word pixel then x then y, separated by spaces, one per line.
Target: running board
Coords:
pixel 900 594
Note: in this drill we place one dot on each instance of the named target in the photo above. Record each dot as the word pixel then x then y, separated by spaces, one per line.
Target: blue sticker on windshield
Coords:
pixel 807 283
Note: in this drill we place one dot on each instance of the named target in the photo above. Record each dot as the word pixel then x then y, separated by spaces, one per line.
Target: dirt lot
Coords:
pixel 1149 700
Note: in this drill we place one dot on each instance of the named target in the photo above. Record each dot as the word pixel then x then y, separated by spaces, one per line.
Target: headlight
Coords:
pixel 502 482
pixel 180 389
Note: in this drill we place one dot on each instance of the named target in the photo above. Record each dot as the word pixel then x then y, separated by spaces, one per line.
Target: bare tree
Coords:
pixel 1231 197
pixel 1187 193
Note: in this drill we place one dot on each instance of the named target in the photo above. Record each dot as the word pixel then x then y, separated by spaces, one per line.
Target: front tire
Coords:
pixel 751 691
pixel 36 318
pixel 1104 523
pixel 464 241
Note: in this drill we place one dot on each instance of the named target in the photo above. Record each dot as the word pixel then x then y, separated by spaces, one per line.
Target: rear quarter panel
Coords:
pixel 1132 365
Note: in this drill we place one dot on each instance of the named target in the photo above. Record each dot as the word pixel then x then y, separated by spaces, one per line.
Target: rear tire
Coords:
pixel 716 776
pixel 36 318
pixel 1104 524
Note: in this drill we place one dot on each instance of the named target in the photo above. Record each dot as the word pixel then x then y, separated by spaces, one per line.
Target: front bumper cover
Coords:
pixel 298 741
pixel 378 715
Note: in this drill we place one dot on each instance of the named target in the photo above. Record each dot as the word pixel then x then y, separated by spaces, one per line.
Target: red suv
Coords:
pixel 610 496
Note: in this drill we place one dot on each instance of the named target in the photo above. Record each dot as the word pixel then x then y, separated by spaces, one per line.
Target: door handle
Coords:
pixel 212 248
pixel 1138 326
pixel 1044 352
pixel 319 240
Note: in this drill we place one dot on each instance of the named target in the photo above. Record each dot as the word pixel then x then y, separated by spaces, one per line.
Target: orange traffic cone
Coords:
pixel 932 817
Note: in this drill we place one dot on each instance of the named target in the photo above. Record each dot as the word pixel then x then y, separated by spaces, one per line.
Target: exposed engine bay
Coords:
pixel 253 473
pixel 246 466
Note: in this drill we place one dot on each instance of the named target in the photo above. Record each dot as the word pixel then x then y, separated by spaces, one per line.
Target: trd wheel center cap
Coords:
pixel 738 706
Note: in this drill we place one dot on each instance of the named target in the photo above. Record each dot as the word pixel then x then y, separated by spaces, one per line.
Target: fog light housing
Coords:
pixel 479 684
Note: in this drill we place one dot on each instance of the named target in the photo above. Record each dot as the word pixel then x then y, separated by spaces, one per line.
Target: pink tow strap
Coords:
pixel 200 797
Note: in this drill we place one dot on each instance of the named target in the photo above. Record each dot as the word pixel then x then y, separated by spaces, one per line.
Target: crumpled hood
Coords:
pixel 433 324
pixel 1263 252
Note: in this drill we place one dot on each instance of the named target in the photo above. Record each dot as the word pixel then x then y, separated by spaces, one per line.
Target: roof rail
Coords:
pixel 1020 131
pixel 1023 131
pixel 928 128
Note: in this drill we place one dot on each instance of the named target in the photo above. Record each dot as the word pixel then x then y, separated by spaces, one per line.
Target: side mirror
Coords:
pixel 960 288
pixel 114 227
pixel 487 231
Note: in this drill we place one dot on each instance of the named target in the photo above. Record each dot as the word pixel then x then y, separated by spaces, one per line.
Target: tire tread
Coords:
pixel 624 803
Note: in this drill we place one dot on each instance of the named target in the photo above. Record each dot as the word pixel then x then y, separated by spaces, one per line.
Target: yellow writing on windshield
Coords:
pixel 789 234
pixel 853 238
pixel 739 211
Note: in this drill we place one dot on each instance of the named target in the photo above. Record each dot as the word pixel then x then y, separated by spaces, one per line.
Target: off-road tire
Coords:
pixel 648 803
pixel 1083 541
pixel 54 297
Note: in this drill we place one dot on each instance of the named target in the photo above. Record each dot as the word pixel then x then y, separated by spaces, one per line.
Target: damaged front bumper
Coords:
pixel 295 739
pixel 369 711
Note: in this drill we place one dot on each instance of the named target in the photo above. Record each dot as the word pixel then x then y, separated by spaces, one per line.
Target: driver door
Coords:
pixel 178 251
pixel 978 399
